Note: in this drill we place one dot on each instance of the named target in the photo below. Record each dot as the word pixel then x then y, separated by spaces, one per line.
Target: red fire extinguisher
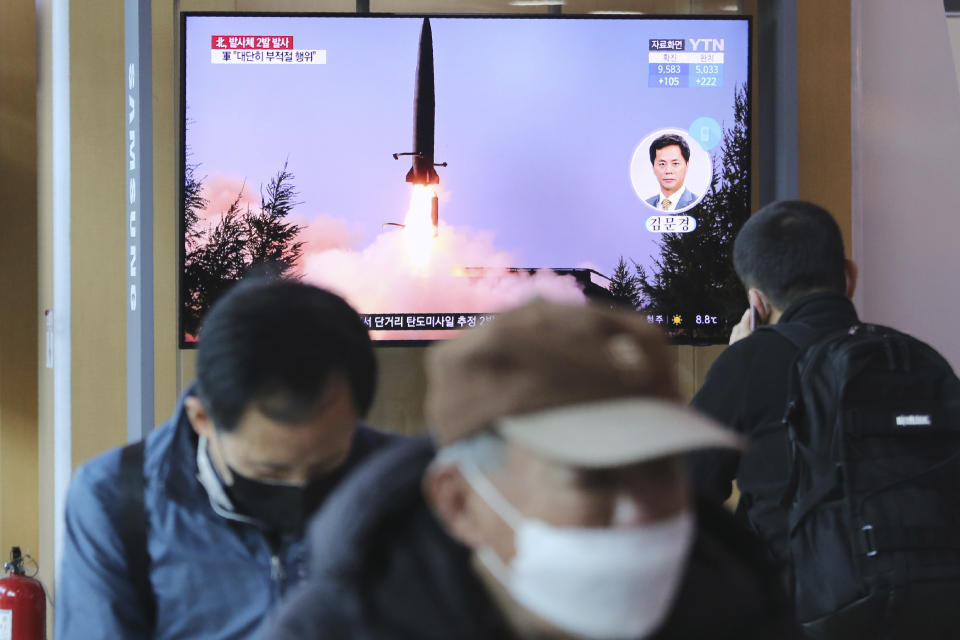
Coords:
pixel 23 604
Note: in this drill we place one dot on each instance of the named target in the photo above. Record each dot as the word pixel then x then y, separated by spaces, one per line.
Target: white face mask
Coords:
pixel 616 582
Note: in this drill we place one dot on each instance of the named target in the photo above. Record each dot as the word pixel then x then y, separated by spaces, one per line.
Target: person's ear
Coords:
pixel 759 302
pixel 197 415
pixel 449 496
pixel 852 271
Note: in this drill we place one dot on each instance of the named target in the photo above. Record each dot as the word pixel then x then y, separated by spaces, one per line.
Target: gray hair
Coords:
pixel 485 451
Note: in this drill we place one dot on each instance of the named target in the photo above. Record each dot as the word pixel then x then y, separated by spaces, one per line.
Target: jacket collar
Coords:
pixel 177 469
pixel 815 307
pixel 210 480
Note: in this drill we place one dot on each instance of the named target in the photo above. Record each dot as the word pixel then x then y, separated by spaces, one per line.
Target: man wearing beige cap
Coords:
pixel 551 503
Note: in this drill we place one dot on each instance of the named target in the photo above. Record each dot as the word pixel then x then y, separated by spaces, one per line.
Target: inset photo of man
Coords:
pixel 670 171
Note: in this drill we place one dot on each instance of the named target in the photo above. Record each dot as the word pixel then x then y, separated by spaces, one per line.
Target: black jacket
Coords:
pixel 746 389
pixel 382 567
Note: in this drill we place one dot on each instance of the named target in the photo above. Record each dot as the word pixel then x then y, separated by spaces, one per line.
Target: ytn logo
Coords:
pixel 706 44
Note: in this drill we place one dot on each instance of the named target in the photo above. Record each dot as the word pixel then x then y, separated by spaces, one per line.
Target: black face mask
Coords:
pixel 283 508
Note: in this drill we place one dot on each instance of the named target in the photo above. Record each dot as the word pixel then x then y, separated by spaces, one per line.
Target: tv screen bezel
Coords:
pixel 183 344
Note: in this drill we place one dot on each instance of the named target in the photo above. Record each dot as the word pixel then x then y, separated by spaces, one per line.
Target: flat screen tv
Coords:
pixel 438 170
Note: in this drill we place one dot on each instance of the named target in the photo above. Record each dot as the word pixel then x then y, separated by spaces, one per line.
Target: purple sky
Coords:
pixel 538 120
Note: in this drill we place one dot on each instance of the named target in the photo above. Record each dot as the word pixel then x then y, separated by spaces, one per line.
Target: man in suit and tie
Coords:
pixel 670 157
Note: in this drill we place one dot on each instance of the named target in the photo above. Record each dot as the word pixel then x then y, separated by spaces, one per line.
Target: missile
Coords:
pixel 424 107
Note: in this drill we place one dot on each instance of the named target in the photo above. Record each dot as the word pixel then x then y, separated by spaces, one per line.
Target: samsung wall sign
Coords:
pixel 138 225
pixel 132 153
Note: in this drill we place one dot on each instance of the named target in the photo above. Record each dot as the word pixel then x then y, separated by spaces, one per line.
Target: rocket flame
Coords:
pixel 418 227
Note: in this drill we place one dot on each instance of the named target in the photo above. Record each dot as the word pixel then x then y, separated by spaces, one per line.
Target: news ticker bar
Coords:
pixel 425 321
pixel 461 321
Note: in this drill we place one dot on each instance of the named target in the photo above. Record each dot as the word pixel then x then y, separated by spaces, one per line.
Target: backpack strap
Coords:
pixel 133 527
pixel 802 336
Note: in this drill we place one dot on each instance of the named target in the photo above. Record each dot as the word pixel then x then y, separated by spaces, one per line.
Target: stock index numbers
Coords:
pixel 678 63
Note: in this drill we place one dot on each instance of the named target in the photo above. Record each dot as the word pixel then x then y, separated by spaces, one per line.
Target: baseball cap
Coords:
pixel 579 384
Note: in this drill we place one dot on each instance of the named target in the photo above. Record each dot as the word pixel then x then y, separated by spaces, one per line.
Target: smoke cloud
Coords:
pixel 324 233
pixel 465 274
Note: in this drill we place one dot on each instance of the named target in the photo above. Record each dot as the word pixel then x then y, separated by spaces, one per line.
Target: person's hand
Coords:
pixel 742 329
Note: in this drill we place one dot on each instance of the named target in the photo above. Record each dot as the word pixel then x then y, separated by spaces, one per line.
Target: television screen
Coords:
pixel 436 171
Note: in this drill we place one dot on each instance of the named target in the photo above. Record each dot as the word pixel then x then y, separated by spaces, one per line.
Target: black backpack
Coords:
pixel 873 501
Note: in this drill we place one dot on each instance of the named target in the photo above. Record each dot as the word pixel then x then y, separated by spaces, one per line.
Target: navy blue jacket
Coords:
pixel 213 577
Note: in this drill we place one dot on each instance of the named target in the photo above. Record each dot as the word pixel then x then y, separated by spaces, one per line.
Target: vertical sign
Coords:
pixel 138 159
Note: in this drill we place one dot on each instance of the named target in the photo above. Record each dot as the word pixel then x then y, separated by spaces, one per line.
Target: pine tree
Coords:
pixel 273 241
pixel 240 241
pixel 216 262
pixel 193 204
pixel 624 286
pixel 693 275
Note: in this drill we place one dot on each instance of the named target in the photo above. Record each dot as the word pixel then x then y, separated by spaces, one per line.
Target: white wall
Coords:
pixel 953 26
pixel 906 169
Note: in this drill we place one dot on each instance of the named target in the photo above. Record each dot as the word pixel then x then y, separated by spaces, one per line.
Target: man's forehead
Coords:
pixel 669 150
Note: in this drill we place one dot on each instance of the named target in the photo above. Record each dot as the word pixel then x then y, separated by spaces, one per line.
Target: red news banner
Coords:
pixel 262 49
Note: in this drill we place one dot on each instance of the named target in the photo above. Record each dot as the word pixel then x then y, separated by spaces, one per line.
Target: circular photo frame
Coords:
pixel 695 176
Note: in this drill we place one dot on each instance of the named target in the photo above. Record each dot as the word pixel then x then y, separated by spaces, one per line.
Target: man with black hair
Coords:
pixel 670 157
pixel 789 256
pixel 853 463
pixel 212 536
